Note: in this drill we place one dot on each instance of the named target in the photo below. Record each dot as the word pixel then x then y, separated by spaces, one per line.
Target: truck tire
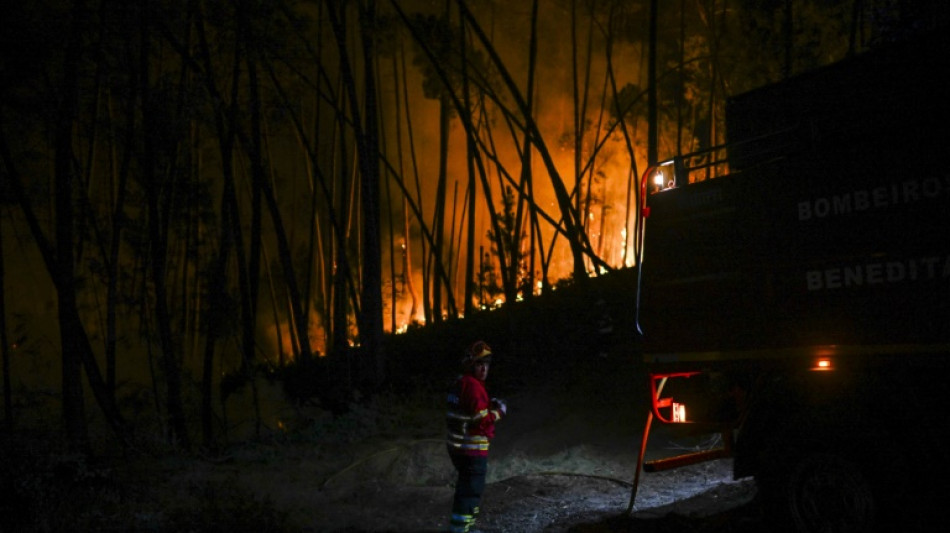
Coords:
pixel 828 493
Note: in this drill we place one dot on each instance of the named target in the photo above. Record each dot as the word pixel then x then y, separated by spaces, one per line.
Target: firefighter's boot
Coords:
pixel 463 522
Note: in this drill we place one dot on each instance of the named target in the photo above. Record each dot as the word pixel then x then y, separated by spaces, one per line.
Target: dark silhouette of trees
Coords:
pixel 208 186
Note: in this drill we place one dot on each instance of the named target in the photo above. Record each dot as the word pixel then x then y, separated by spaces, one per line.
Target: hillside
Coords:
pixel 564 458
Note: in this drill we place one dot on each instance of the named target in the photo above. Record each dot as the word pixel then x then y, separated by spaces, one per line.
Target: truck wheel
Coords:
pixel 828 493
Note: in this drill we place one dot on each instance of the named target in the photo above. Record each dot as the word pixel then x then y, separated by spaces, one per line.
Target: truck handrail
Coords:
pixel 718 157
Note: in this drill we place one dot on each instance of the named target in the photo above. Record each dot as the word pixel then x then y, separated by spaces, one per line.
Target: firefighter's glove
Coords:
pixel 500 406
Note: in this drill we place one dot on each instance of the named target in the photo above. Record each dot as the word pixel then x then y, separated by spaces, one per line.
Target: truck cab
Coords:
pixel 795 290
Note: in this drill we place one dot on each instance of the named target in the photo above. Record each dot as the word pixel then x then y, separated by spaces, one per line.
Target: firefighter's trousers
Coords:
pixel 468 491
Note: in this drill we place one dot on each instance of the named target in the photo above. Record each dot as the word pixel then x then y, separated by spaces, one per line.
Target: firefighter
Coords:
pixel 471 421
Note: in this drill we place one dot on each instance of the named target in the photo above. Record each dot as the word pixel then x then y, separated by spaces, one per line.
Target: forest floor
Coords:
pixel 557 464
pixel 552 468
pixel 564 459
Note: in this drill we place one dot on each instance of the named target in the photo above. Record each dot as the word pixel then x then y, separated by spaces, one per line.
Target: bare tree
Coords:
pixel 4 337
pixel 367 142
pixel 60 254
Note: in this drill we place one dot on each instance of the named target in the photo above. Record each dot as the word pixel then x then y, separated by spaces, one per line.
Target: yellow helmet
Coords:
pixel 478 351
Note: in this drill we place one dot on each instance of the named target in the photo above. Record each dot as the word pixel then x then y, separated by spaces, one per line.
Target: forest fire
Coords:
pixel 193 194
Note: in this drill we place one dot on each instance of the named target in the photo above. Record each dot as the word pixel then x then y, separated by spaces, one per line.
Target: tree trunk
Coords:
pixel 371 332
pixel 652 104
pixel 5 343
pixel 438 218
pixel 71 326
pixel 401 87
pixel 170 357
pixel 73 405
pixel 217 289
pixel 115 240
pixel 439 257
pixel 788 33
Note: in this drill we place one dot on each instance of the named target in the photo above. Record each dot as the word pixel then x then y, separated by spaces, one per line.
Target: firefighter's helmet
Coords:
pixel 478 351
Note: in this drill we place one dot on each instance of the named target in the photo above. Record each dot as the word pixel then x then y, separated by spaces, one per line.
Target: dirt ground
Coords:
pixel 699 498
pixel 564 459
pixel 553 470
pixel 408 488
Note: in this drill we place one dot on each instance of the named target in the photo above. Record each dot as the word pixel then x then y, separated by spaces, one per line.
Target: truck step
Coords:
pixel 668 463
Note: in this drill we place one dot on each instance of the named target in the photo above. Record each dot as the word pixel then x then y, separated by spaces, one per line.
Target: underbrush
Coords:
pixel 47 489
pixel 246 486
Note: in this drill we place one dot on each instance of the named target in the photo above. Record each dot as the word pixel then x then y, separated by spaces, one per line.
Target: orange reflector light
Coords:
pixel 823 365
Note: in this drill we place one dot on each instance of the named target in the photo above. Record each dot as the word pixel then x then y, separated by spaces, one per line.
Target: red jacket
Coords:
pixel 470 418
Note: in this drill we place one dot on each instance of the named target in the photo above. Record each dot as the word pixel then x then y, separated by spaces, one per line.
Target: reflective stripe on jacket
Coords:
pixel 470 420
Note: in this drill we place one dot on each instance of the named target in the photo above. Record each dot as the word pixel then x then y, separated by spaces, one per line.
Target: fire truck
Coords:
pixel 794 292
